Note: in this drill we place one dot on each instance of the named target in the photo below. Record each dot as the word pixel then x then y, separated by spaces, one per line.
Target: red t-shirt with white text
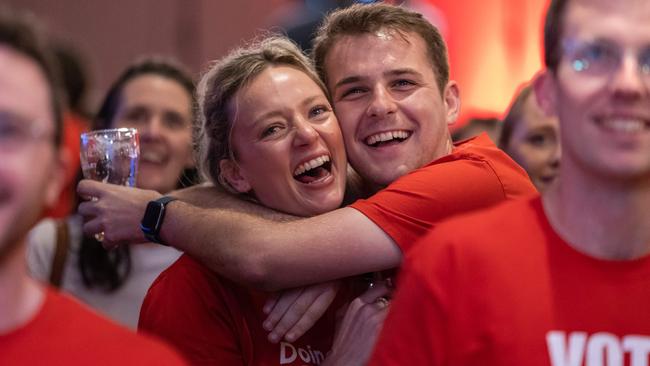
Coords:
pixel 500 287
pixel 214 321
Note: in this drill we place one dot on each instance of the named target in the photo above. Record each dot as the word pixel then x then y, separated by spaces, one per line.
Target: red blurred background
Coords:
pixel 494 45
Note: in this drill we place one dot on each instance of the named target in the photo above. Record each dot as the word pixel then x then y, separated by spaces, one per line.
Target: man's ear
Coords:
pixel 545 92
pixel 57 181
pixel 451 99
pixel 231 173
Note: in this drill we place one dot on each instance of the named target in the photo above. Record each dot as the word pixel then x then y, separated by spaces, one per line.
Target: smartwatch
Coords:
pixel 153 219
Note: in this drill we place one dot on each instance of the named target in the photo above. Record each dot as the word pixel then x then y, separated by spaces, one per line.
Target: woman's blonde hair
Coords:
pixel 221 82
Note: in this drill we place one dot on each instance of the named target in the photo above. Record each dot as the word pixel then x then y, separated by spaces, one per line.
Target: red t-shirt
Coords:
pixel 475 175
pixel 510 291
pixel 65 332
pixel 214 321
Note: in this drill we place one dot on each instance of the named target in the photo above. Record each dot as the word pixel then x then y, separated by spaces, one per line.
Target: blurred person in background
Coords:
pixel 73 78
pixel 39 325
pixel 532 138
pixel 300 19
pixel 155 96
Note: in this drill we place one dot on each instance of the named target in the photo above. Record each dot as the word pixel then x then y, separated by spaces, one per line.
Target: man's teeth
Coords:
pixel 386 136
pixel 624 124
pixel 311 164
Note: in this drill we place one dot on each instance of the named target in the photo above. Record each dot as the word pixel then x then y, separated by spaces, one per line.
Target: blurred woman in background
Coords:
pixel 156 97
pixel 532 139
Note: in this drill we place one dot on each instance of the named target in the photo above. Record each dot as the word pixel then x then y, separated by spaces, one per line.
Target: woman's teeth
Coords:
pixel 311 164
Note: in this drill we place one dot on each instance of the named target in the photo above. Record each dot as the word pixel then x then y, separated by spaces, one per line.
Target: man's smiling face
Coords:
pixel 392 114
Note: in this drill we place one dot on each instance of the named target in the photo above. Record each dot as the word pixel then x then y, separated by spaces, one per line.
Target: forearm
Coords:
pixel 208 195
pixel 276 255
pixel 244 244
pixel 219 238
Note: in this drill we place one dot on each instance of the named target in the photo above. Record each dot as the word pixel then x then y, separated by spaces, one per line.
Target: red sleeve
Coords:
pixel 187 307
pixel 410 206
pixel 416 331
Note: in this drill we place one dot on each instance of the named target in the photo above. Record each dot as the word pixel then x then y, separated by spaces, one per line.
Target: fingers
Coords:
pixel 92 227
pixel 315 311
pixel 358 331
pixel 270 303
pixel 382 302
pixel 378 290
pixel 374 301
pixel 87 208
pixel 94 224
pixel 282 304
pixel 296 311
pixel 89 188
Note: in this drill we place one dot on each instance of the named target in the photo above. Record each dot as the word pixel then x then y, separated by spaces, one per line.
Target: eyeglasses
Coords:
pixel 603 58
pixel 16 132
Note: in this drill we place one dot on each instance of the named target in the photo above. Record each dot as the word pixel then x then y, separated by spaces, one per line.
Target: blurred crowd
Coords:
pixel 309 199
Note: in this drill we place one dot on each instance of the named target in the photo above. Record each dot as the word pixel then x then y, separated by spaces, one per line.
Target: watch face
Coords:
pixel 152 215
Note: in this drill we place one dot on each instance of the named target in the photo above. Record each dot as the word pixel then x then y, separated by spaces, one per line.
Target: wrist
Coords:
pixel 154 217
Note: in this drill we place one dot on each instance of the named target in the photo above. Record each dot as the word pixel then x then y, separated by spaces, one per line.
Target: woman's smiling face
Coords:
pixel 287 145
pixel 161 109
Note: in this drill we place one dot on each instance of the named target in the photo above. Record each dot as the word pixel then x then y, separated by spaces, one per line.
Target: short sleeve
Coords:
pixel 408 208
pixel 41 244
pixel 188 309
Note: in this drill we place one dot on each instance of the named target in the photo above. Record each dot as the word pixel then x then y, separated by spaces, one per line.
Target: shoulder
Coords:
pixel 476 165
pixel 185 287
pixel 480 152
pixel 194 310
pixel 184 269
pixel 79 329
pixel 511 176
pixel 41 245
pixel 495 233
pixel 184 277
pixel 507 214
pixel 479 148
pixel 42 237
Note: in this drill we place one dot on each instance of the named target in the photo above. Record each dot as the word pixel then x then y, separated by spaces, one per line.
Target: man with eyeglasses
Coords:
pixel 38 325
pixel 563 279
